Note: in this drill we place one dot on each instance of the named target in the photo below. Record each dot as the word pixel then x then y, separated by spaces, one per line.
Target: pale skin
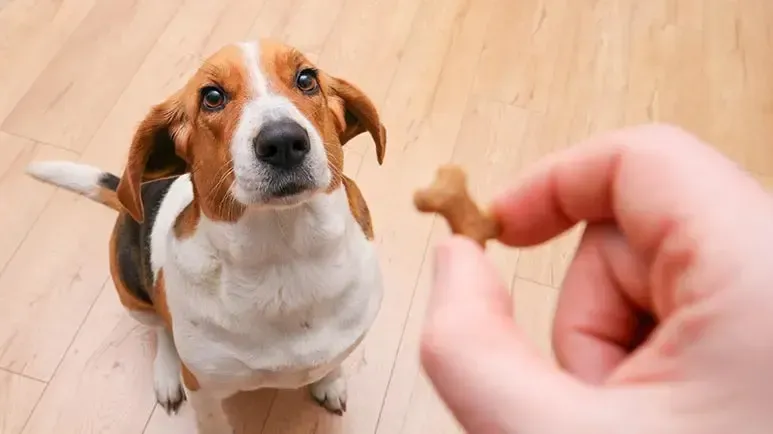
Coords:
pixel 665 318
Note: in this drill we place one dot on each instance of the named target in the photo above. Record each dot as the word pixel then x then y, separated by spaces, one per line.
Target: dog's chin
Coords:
pixel 278 195
pixel 289 195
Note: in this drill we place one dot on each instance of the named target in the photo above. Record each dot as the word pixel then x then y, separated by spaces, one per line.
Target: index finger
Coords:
pixel 646 179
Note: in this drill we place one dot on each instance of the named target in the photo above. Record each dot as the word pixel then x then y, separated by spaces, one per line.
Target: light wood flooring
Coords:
pixel 491 84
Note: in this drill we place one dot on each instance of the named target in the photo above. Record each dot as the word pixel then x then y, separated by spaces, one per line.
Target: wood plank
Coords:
pixel 601 56
pixel 738 49
pixel 233 24
pixel 308 24
pixel 71 96
pixel 50 283
pixel 33 31
pixel 161 423
pixel 426 412
pixel 11 147
pixel 272 19
pixel 21 197
pixel 18 396
pixel 247 411
pixel 104 383
pixel 521 52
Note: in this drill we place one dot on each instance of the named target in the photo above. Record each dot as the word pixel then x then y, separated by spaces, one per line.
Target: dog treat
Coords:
pixel 448 196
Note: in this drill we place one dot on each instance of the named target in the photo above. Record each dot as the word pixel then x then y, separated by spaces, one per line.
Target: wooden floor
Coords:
pixel 492 84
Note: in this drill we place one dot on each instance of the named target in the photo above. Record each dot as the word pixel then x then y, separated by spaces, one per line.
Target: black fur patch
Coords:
pixel 163 160
pixel 133 241
pixel 109 181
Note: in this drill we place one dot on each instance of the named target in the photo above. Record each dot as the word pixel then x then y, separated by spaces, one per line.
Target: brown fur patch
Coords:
pixel 209 151
pixel 109 198
pixel 187 221
pixel 159 300
pixel 126 297
pixel 358 207
pixel 189 380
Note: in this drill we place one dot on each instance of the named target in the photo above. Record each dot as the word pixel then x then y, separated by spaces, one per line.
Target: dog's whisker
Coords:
pixel 229 170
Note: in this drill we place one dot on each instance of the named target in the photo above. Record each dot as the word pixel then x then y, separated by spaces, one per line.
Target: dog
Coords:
pixel 238 238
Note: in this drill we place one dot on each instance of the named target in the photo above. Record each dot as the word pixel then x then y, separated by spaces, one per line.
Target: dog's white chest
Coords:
pixel 272 301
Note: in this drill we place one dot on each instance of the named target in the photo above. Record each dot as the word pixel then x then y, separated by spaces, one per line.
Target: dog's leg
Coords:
pixel 210 416
pixel 167 372
pixel 330 391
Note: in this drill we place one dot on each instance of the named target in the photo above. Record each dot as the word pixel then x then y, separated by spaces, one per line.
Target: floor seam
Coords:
pixel 28 377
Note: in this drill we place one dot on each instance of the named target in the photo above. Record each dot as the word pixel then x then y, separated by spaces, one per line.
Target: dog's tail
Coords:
pixel 89 181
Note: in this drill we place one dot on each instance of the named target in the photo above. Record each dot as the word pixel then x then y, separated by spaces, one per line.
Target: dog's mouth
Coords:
pixel 289 190
pixel 280 188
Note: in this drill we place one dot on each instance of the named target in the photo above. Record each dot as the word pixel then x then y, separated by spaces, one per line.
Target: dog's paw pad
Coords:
pixel 330 394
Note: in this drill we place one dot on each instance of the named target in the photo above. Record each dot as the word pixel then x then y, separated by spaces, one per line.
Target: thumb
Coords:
pixel 481 364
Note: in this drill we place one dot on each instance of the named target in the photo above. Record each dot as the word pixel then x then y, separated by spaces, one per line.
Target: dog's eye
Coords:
pixel 307 81
pixel 212 98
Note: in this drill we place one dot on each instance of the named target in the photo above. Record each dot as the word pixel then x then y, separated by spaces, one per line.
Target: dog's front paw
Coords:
pixel 169 392
pixel 330 393
pixel 167 375
pixel 168 385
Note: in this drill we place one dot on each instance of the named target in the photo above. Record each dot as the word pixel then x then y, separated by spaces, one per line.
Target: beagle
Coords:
pixel 238 236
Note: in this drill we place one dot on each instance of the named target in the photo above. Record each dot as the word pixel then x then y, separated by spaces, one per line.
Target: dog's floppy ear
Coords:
pixel 356 114
pixel 157 151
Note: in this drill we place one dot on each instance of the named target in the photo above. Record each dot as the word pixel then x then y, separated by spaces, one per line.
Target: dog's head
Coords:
pixel 258 125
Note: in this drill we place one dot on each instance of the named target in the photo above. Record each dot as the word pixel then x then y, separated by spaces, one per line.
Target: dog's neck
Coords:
pixel 263 236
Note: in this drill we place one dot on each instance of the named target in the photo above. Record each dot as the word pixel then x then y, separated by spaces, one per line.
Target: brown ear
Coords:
pixel 357 114
pixel 157 151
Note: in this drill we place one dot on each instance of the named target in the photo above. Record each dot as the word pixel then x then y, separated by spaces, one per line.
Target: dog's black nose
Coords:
pixel 282 144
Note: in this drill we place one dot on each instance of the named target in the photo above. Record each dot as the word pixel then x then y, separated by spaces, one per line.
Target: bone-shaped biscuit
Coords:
pixel 448 196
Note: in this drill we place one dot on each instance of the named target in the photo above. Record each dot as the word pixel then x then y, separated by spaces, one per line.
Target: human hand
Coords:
pixel 665 319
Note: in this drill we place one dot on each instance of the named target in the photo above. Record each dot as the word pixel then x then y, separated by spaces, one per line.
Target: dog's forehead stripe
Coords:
pixel 258 81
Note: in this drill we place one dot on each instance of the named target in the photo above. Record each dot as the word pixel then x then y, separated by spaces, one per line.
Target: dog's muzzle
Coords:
pixel 283 146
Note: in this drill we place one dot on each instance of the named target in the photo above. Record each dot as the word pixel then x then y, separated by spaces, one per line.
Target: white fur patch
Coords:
pixel 179 195
pixel 258 81
pixel 277 299
pixel 79 178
